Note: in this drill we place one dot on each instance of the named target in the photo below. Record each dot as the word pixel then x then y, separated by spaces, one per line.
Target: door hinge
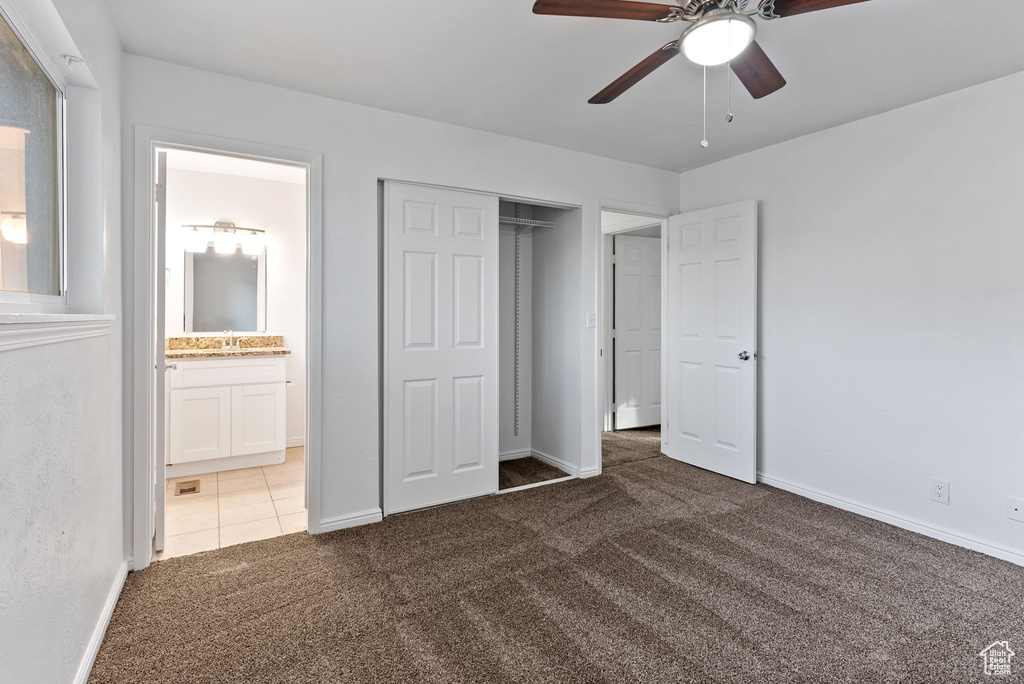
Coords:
pixel 615 259
pixel 161 193
pixel 614 333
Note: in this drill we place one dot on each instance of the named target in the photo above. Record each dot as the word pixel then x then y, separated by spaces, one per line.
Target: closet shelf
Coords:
pixel 524 223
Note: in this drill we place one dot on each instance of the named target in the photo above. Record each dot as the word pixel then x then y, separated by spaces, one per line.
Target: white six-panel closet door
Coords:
pixel 441 346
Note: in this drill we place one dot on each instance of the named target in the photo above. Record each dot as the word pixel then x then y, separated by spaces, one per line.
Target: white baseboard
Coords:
pixel 927 529
pixel 371 515
pixel 590 472
pixel 295 442
pixel 513 455
pixel 556 462
pixel 85 667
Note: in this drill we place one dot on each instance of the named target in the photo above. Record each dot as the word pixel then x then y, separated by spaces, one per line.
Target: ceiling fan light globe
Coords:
pixel 717 38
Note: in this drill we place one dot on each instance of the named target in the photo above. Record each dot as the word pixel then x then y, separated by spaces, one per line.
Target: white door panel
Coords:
pixel 711 323
pixel 441 346
pixel 637 331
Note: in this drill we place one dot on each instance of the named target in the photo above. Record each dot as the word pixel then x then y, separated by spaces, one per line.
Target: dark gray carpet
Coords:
pixel 524 471
pixel 654 572
pixel 627 446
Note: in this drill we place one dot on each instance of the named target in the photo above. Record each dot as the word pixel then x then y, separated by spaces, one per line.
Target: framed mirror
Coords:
pixel 225 292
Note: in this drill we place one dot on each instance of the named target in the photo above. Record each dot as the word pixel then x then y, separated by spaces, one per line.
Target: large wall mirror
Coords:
pixel 225 292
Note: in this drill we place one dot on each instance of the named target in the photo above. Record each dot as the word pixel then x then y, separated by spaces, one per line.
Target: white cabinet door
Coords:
pixel 257 419
pixel 200 423
pixel 711 338
pixel 637 331
pixel 441 366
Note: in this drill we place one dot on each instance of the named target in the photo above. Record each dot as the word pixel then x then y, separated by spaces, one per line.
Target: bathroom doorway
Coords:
pixel 233 426
pixel 234 331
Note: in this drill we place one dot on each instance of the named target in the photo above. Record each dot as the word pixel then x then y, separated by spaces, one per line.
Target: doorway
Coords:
pixel 234 343
pixel 226 344
pixel 633 368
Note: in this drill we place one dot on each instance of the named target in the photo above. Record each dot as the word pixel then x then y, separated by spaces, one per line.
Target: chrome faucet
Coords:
pixel 230 342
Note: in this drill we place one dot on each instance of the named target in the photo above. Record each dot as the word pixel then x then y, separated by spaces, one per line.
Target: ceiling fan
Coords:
pixel 720 31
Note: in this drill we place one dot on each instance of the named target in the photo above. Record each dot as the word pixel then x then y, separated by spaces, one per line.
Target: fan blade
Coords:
pixel 757 72
pixel 606 9
pixel 787 8
pixel 636 74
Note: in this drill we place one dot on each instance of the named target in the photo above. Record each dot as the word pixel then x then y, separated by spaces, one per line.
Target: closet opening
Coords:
pixel 632 357
pixel 537 248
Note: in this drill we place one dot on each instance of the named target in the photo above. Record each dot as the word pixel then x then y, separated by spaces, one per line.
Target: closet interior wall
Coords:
pixel 550 292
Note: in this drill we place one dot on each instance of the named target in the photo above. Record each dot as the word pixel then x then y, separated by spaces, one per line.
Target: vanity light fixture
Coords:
pixel 14 228
pixel 253 242
pixel 226 238
pixel 225 242
pixel 198 239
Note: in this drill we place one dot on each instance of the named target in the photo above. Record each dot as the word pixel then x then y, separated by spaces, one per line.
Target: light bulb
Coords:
pixel 15 230
pixel 225 242
pixel 718 37
pixel 253 243
pixel 197 240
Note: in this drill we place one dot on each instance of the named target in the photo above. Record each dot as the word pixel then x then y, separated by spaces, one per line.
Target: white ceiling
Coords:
pixel 187 160
pixel 495 66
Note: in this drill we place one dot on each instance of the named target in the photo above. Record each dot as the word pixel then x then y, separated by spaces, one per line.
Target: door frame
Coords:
pixel 141 365
pixel 607 304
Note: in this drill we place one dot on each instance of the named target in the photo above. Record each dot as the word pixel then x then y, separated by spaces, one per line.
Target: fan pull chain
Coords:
pixel 704 143
pixel 728 112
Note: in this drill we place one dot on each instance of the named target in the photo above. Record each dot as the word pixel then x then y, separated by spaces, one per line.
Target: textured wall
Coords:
pixel 891 317
pixel 60 491
pixel 61 464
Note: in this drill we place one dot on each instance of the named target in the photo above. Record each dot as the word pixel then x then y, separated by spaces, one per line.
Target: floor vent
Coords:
pixel 186 487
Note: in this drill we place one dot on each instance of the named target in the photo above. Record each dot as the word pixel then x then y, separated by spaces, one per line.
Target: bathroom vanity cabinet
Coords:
pixel 224 413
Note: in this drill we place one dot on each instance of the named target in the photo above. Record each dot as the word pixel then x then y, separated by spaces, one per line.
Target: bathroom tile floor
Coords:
pixel 235 506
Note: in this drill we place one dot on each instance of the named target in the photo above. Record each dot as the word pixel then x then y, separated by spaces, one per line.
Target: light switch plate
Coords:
pixel 591 320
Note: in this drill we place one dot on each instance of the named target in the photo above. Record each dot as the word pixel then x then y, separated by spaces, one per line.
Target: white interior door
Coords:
pixel 159 377
pixel 711 340
pixel 637 331
pixel 441 346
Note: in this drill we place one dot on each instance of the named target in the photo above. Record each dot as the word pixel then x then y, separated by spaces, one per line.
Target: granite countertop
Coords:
pixel 200 347
pixel 213 353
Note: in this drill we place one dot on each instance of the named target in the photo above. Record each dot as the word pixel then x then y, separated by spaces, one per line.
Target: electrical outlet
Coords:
pixel 940 490
pixel 1015 508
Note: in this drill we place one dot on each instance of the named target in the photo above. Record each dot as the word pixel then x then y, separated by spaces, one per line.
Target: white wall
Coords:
pixel 556 296
pixel 61 539
pixel 278 207
pixel 361 145
pixel 891 307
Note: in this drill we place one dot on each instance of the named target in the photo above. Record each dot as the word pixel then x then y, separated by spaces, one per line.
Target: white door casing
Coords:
pixel 637 331
pixel 159 377
pixel 441 346
pixel 711 324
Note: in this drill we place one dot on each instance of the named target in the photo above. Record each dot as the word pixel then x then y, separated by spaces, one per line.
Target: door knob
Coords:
pixel 171 366
pixel 745 355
